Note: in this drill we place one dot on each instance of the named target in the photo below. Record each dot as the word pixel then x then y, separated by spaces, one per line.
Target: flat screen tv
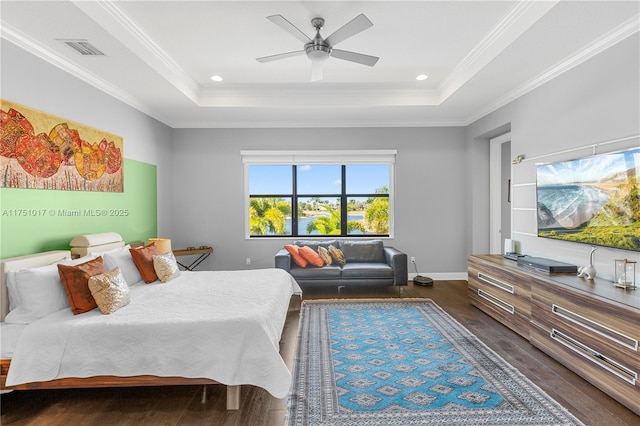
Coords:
pixel 593 200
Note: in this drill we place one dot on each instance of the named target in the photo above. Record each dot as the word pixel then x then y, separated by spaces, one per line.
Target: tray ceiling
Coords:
pixel 159 56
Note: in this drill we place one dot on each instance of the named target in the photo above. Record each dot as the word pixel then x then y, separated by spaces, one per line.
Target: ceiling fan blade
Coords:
pixel 316 70
pixel 280 21
pixel 354 57
pixel 279 56
pixel 351 28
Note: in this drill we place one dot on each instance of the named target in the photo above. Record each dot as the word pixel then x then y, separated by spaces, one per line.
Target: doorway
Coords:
pixel 499 192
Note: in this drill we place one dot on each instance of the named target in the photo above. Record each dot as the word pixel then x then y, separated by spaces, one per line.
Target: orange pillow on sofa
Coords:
pixel 75 280
pixel 294 251
pixel 143 258
pixel 311 256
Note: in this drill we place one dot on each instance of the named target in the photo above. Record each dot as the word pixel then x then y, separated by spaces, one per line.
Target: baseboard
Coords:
pixel 443 276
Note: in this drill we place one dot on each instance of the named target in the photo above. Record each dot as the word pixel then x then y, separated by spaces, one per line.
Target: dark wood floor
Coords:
pixel 180 405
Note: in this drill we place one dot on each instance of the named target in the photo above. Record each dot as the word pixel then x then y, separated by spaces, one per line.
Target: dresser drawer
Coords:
pixel 500 295
pixel 619 384
pixel 602 327
pixel 599 342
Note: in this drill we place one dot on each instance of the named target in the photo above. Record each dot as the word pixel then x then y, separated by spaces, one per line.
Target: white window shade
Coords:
pixel 319 157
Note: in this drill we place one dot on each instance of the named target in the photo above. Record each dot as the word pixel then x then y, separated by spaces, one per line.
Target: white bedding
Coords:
pixel 9 334
pixel 221 325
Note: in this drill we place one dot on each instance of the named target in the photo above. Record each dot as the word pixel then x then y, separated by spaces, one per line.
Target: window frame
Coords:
pixel 318 157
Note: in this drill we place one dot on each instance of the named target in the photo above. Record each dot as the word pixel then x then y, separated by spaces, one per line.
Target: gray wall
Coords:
pixel 442 174
pixel 595 102
pixel 430 202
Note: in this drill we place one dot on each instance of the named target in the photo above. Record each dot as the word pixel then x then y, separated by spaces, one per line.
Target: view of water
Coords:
pixel 571 205
pixel 303 222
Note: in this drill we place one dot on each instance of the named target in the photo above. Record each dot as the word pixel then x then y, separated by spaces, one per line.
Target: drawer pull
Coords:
pixel 596 327
pixel 497 302
pixel 496 283
pixel 595 357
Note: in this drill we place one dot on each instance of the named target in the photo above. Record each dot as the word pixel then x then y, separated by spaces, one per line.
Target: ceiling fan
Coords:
pixel 319 49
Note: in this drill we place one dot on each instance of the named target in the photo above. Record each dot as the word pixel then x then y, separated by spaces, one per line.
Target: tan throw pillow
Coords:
pixel 324 254
pixel 75 280
pixel 110 290
pixel 337 255
pixel 166 266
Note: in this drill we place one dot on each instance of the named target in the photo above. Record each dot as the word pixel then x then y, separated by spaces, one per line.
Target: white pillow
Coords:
pixel 38 292
pixel 121 258
pixel 11 290
pixel 72 262
pixel 14 301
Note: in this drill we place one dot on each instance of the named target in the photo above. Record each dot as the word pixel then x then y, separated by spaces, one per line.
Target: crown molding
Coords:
pixel 108 15
pixel 116 22
pixel 608 40
pixel 25 42
pixel 325 95
pixel 518 20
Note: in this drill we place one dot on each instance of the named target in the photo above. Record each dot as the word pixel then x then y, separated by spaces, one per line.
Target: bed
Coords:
pixel 205 327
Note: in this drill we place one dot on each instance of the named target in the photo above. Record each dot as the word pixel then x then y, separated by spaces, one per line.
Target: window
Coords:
pixel 318 193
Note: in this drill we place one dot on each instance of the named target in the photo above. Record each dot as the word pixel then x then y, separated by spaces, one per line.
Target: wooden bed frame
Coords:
pixel 46 258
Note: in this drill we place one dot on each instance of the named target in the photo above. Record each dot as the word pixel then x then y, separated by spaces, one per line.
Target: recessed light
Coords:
pixel 216 78
pixel 422 77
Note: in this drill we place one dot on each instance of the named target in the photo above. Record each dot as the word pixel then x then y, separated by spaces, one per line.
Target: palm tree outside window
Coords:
pixel 319 200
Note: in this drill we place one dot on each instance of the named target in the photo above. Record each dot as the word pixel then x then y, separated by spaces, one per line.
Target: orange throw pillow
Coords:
pixel 143 258
pixel 295 254
pixel 75 280
pixel 311 256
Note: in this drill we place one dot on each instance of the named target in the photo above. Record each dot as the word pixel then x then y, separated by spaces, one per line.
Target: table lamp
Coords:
pixel 163 244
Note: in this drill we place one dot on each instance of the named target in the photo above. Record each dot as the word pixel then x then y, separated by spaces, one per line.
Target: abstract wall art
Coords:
pixel 42 151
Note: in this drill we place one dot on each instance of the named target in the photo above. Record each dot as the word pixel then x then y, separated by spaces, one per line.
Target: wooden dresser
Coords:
pixel 591 327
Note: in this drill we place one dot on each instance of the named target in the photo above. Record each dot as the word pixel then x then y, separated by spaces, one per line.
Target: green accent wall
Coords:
pixel 35 220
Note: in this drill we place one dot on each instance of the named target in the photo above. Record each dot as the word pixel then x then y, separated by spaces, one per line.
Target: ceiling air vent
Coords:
pixel 83 47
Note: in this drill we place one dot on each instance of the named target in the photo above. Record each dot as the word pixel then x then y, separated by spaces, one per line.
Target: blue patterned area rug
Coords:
pixel 405 362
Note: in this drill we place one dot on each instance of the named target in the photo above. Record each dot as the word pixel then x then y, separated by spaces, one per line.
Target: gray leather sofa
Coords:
pixel 368 263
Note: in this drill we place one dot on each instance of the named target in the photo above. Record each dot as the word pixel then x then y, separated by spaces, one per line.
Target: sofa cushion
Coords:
pixel 363 251
pixel 313 244
pixel 367 270
pixel 324 273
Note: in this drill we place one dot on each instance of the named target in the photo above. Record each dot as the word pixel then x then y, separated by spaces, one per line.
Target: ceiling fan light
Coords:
pixel 318 56
pixel 318 52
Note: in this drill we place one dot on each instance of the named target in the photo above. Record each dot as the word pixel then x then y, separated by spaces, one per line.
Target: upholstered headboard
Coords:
pixel 20 262
pixel 82 245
